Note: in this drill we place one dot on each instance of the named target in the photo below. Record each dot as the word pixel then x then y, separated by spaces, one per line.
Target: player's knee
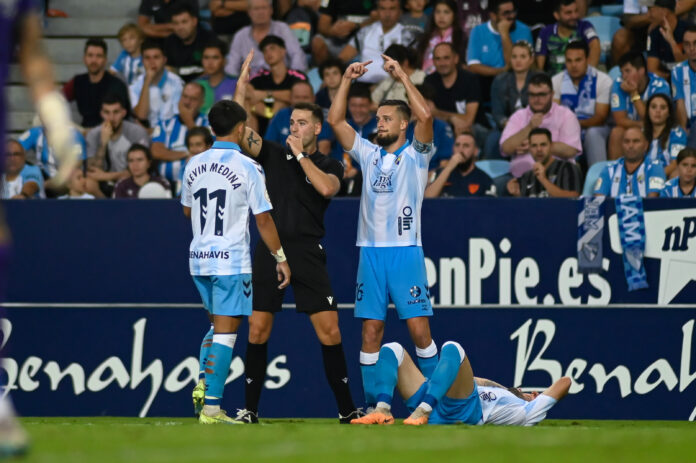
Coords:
pixel 455 346
pixel 258 332
pixel 372 334
pixel 396 348
pixel 330 335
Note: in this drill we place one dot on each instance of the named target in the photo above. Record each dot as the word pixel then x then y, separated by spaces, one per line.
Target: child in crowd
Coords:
pixel 198 139
pixel 415 16
pixel 331 72
pixel 77 186
pixel 129 64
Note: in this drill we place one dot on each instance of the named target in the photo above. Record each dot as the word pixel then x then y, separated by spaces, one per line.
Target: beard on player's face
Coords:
pixel 386 139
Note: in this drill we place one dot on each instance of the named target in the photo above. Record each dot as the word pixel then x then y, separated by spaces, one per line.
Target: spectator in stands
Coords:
pixel 471 14
pixel 34 140
pixel 442 27
pixel 279 126
pixel 250 37
pixel 129 64
pixel 88 89
pixel 443 137
pixel 549 177
pixel 490 45
pixel 684 85
pixel 372 41
pixel 457 91
pixel 156 93
pixel 683 185
pixel 554 38
pixel 198 140
pixel 155 16
pixel 586 91
pixel 330 72
pixel 665 37
pixel 634 33
pixel 184 48
pixel 460 177
pixel 142 171
pixel 542 111
pixel 228 16
pixel 665 136
pixel 389 89
pixel 77 186
pixel 217 84
pixel 509 93
pixel 339 21
pixel 633 173
pixel 628 97
pixel 169 137
pixel 20 180
pixel 415 15
pixel 108 144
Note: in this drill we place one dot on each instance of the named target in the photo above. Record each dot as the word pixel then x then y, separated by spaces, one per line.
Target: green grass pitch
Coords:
pixel 103 440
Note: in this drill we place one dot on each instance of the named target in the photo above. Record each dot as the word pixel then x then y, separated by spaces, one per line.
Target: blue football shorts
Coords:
pixel 448 410
pixel 228 295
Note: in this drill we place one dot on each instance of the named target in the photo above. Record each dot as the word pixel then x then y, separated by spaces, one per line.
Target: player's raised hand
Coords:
pixel 246 67
pixel 391 67
pixel 356 70
pixel 283 270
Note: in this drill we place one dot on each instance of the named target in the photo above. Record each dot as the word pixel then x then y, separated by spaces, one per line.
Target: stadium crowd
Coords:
pixel 526 100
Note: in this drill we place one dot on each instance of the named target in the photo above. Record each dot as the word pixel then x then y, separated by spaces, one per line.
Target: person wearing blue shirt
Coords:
pixel 633 174
pixel 683 186
pixel 34 139
pixel 629 95
pixel 20 180
pixel 684 84
pixel 129 63
pixel 665 136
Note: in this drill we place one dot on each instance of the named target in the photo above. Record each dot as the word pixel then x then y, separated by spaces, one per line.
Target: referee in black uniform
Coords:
pixel 301 182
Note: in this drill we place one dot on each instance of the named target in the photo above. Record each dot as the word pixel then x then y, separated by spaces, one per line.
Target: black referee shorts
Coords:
pixel 309 280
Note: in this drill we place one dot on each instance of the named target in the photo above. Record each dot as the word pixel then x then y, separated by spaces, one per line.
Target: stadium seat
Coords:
pixel 612 10
pixel 494 167
pixel 606 27
pixel 592 175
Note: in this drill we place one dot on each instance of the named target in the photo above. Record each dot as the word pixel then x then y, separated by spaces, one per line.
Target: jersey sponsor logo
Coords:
pixel 488 396
pixel 405 220
pixel 415 291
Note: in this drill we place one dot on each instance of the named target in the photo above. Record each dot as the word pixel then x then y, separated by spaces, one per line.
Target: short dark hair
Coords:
pixel 331 63
pixel 271 40
pixel 96 42
pixel 150 44
pixel 401 107
pixel 359 90
pixel 686 153
pixel 200 132
pixel 540 131
pixel 561 3
pixel 690 28
pixel 113 98
pixel 397 52
pixel 315 109
pixel 224 117
pixel 540 78
pixel 219 44
pixel 634 58
pixel 180 7
pixel 493 5
pixel 578 45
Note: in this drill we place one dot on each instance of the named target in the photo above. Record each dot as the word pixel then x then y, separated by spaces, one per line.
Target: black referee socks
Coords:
pixel 255 368
pixel 337 375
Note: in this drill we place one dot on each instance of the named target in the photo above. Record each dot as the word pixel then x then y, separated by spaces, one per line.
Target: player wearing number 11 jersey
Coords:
pixel 219 187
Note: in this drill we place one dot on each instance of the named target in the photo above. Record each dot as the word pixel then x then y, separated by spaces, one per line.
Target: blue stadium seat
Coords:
pixel 494 167
pixel 612 10
pixel 606 27
pixel 592 176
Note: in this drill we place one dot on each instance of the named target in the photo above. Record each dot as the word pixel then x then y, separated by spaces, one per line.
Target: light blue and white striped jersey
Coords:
pixel 29 173
pixel 676 143
pixel 684 88
pixel 392 192
pixel 172 133
pixel 34 139
pixel 621 101
pixel 128 67
pixel 613 181
pixel 672 190
pixel 164 97
pixel 220 186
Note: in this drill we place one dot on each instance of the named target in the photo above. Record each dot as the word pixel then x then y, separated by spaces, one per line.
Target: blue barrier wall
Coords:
pixel 525 315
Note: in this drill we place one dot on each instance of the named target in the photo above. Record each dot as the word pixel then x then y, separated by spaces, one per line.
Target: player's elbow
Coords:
pixel 263 220
pixel 334 118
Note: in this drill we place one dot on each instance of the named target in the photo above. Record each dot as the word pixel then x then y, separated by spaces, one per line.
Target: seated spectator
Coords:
pixel 508 94
pixel 389 89
pixel 457 91
pixel 218 85
pixel 684 85
pixel 279 127
pixel 549 177
pixel 633 173
pixel 88 89
pixel 443 26
pixel 330 72
pixel 628 97
pixel 129 63
pixel 665 37
pixel 415 16
pixel 142 172
pixel 471 14
pixel 443 137
pixel 302 18
pixel 372 41
pixel 169 137
pixel 460 177
pixel 228 16
pixel 554 38
pixel 108 144
pixel 198 140
pixel 155 16
pixel 542 111
pixel 665 136
pixel 184 48
pixel 339 21
pixel 585 91
pixel 77 186
pixel 490 45
pixel 684 185
pixel 250 37
pixel 20 180
pixel 634 33
pixel 155 95
pixel 34 140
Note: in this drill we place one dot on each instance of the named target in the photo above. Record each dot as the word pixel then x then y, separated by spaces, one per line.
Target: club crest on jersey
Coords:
pixel 383 183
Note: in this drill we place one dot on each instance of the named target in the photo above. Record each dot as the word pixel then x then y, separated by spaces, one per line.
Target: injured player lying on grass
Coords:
pixel 453 395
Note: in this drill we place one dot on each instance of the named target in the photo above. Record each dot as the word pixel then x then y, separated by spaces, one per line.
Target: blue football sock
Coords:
pixel 205 348
pixel 218 366
pixel 451 358
pixel 368 363
pixel 386 372
pixel 427 359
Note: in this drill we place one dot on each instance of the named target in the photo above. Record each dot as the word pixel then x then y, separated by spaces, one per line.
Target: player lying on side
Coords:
pixel 452 394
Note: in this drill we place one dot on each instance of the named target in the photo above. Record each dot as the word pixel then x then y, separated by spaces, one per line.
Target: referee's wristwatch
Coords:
pixel 301 155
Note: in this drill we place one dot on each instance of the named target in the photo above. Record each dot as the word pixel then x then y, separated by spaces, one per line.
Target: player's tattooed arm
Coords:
pixel 483 382
pixel 251 143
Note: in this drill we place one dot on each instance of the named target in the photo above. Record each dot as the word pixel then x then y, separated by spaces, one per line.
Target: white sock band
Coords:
pixel 227 339
pixel 425 407
pixel 397 349
pixel 368 358
pixel 430 351
pixel 383 405
pixel 462 354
